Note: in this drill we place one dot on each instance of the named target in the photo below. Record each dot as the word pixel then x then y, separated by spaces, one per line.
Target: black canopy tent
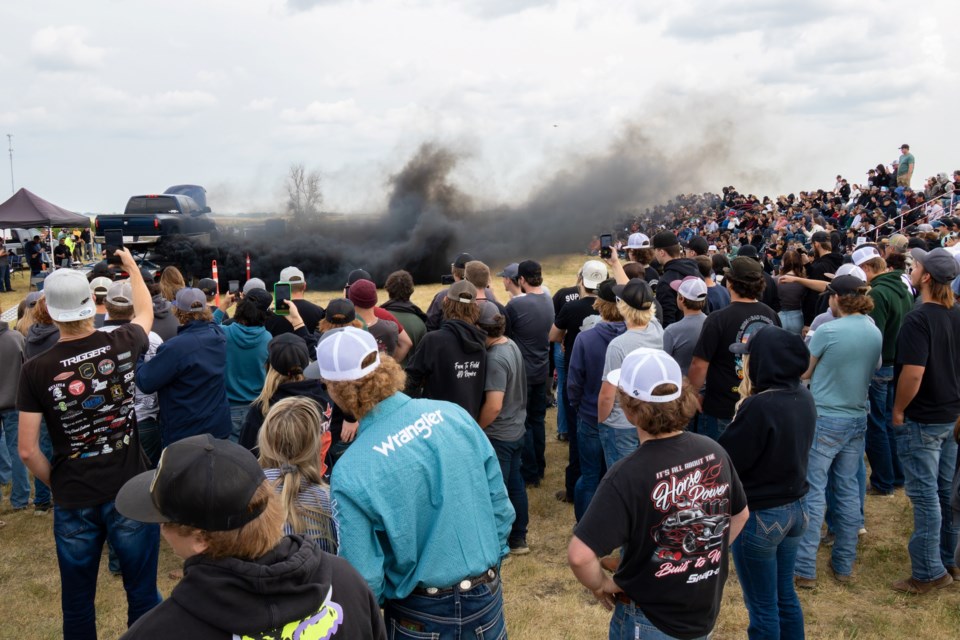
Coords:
pixel 26 209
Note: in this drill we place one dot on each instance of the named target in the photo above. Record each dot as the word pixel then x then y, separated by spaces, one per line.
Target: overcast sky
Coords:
pixel 109 99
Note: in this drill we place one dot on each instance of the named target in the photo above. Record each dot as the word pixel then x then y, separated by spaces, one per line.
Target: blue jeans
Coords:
pixel 558 362
pixel 41 492
pixel 5 278
pixel 508 455
pixel 765 554
pixel 452 615
pixel 928 454
pixel 592 465
pixel 629 623
pixel 617 443
pixel 885 471
pixel 79 535
pixel 237 413
pixel 19 478
pixel 712 426
pixel 149 431
pixel 792 321
pixel 835 456
pixel 534 461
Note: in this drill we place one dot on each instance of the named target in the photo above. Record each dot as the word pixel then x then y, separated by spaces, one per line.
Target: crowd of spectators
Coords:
pixel 362 470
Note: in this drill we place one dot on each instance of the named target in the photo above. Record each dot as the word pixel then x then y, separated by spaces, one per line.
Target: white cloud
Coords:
pixel 340 112
pixel 260 104
pixel 64 48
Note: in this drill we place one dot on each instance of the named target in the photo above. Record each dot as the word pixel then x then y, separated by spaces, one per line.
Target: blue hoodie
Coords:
pixel 246 357
pixel 585 368
pixel 188 375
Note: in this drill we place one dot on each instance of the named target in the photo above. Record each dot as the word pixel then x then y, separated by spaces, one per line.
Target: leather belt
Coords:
pixel 464 585
pixel 624 598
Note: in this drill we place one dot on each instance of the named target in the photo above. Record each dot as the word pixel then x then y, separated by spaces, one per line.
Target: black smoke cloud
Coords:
pixel 428 219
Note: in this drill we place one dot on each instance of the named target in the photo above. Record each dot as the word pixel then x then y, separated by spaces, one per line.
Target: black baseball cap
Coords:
pixel 529 269
pixel 340 311
pixel 605 290
pixel 461 260
pixel 260 297
pixel 698 244
pixel 208 286
pixel 846 286
pixel 287 353
pixel 744 269
pixel 748 251
pixel 820 236
pixel 200 481
pixel 665 239
pixel 358 274
pixel 636 293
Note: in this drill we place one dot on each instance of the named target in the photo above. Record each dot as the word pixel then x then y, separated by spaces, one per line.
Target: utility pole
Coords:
pixel 10 145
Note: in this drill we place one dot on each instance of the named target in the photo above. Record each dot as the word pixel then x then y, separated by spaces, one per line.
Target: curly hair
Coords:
pixel 251 541
pixel 860 303
pixel 660 418
pixel 467 311
pixel 399 285
pixel 359 397
pixel 183 317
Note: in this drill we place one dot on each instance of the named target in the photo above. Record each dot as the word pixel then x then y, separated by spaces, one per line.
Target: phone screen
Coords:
pixel 606 241
pixel 234 286
pixel 113 239
pixel 281 294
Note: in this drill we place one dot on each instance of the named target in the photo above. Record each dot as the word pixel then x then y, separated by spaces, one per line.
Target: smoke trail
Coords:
pixel 428 220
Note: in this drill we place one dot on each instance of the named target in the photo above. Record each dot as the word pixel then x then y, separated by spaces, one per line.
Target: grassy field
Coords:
pixel 543 599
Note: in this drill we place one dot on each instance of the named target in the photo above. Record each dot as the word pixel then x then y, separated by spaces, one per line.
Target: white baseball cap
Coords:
pixel 100 285
pixel 850 269
pixel 593 273
pixel 340 356
pixel 691 288
pixel 637 241
pixel 645 369
pixel 863 254
pixel 120 294
pixel 292 274
pixel 68 296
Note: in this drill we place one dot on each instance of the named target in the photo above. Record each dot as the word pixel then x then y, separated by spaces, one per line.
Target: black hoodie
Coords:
pixel 308 388
pixel 450 364
pixel 294 587
pixel 770 436
pixel 813 305
pixel 676 269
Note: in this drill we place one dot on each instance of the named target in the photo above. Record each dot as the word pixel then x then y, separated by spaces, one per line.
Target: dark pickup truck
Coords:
pixel 148 219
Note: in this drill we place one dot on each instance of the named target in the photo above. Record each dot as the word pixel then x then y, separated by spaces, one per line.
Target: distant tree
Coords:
pixel 303 192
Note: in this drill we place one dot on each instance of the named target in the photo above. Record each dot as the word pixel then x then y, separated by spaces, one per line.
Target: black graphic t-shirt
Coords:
pixel 571 319
pixel 669 505
pixel 734 323
pixel 85 390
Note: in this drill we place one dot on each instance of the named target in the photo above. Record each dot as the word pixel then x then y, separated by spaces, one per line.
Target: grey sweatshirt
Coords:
pixel 11 355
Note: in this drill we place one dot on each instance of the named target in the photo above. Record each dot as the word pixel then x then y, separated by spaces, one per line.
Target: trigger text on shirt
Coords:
pixel 423 426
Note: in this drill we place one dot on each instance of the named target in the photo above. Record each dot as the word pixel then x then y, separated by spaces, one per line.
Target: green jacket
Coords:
pixel 891 302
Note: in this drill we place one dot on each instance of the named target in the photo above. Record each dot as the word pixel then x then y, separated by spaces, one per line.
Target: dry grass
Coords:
pixel 539 589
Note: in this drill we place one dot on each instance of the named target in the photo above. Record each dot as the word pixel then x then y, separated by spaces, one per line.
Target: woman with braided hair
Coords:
pixel 290 457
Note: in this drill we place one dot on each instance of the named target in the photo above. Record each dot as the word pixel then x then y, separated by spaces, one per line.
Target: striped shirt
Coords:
pixel 313 498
